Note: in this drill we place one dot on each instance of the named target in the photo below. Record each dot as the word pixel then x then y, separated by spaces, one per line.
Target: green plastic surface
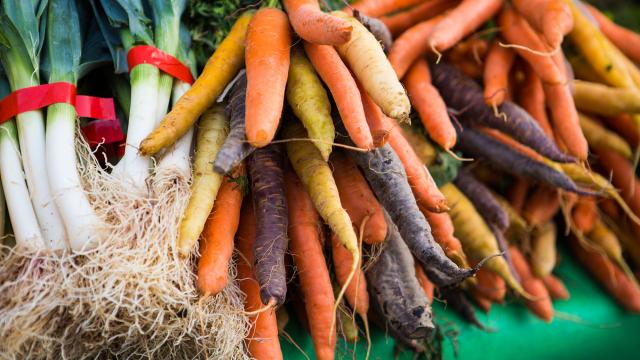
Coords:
pixel 588 326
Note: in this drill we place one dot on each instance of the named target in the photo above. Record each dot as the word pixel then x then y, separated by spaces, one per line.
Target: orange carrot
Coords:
pixel 566 123
pixel 497 67
pixel 267 63
pixel 470 67
pixel 541 206
pixel 552 18
pixel 315 26
pixel 399 22
pixel 490 286
pixel 344 90
pixel 315 284
pixel 506 139
pixel 356 293
pixel 262 341
pixel 540 305
pixel 556 287
pixel 472 49
pixel 532 100
pixel 517 194
pixel 442 231
pixel 624 126
pixel 426 285
pixel 358 199
pixel 424 188
pixel 429 104
pixel 410 46
pixel 515 30
pixel 625 291
pixel 623 176
pixel 462 21
pixel 611 208
pixel 624 39
pixel 481 301
pixel 216 244
pixel 377 8
pixel 378 126
pixel 584 214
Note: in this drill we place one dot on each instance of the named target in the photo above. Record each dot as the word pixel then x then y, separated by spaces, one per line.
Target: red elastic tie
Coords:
pixel 103 132
pixel 36 97
pixel 145 54
pixel 95 107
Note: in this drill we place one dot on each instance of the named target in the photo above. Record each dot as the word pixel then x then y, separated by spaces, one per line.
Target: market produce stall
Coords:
pixel 318 179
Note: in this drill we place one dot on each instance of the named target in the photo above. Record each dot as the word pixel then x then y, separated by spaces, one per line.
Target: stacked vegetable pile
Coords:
pixel 391 152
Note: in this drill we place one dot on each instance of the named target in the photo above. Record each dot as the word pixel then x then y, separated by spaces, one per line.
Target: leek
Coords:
pixel 64 50
pixel 21 40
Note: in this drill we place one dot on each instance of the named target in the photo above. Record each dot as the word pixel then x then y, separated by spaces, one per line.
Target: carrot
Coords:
pixel 454 297
pixel 422 184
pixel 626 40
pixel 516 30
pixel 267 63
pixel 491 286
pixel 216 244
pixel 212 130
pixel 540 305
pixel 356 293
pixel 503 158
pixel 399 22
pixel 626 236
pixel 442 231
pixel 543 250
pixel 625 291
pixel 462 21
pixel 477 239
pixel 623 176
pixel 473 49
pixel 497 67
pixel 566 123
pixel 369 63
pixel 430 106
pixel 599 137
pixel 593 45
pixel 309 102
pixel 221 67
pixel 409 46
pixel 483 303
pixel 316 176
pixel 358 199
pixel 315 26
pixel 604 100
pixel 420 145
pixel 604 239
pixel 376 8
pixel 541 206
pixel 465 95
pixel 556 287
pixel 532 100
pixel 344 91
pixel 552 18
pixel 315 283
pixel 347 327
pixel 482 199
pixel 518 194
pixel 235 147
pixel 378 126
pixel 426 285
pixel 265 167
pixel 396 292
pixel 383 170
pixel 507 140
pixel 262 340
pixel 377 28
pixel 624 125
pixel 584 214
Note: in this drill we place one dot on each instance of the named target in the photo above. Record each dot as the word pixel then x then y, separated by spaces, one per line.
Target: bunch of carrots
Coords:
pixel 325 128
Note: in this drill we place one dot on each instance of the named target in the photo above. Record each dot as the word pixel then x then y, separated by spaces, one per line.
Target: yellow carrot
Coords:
pixel 604 100
pixel 600 137
pixel 607 241
pixel 220 69
pixel 478 242
pixel 368 62
pixel 212 131
pixel 309 102
pixel 543 249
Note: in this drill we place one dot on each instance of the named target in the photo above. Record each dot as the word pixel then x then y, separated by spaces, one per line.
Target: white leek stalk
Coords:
pixel 177 157
pixel 23 218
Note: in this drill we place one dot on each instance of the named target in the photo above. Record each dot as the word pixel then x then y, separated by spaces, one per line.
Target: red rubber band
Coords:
pixel 145 54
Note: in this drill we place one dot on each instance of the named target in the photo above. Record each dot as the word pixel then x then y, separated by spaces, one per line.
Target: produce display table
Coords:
pixel 588 326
